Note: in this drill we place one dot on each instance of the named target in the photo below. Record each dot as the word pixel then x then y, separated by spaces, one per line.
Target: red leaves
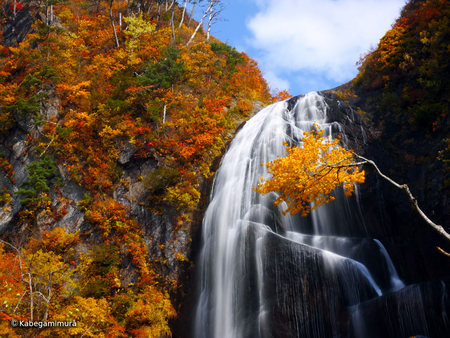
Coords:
pixel 19 6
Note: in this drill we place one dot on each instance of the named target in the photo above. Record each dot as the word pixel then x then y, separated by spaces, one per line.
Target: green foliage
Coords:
pixel 63 133
pixel 101 271
pixel 25 107
pixel 120 305
pixel 40 174
pixel 165 72
pixel 410 67
pixel 160 179
pixel 154 108
pixel 120 81
pixel 32 82
pixel 233 57
pixel 85 202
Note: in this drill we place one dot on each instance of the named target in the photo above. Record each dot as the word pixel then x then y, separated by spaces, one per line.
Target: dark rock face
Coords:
pixel 320 293
pixel 167 241
pixel 310 294
pixel 306 286
pixel 16 29
pixel 387 213
pixel 396 314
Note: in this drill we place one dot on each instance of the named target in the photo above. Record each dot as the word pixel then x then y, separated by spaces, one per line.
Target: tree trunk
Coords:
pixel 112 24
pixel 31 296
pixel 164 113
pixel 172 23
pixel 192 12
pixel 149 5
pixel 159 16
pixel 208 32
pixel 182 15
pixel 199 24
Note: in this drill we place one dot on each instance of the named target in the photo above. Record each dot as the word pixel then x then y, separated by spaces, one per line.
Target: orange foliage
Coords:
pixel 282 95
pixel 308 175
pixel 103 104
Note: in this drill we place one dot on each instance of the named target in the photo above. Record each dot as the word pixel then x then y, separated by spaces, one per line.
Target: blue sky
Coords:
pixel 306 45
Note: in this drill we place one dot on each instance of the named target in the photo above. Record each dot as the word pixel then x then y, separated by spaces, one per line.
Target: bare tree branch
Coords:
pixel 200 23
pixel 443 252
pixel 413 201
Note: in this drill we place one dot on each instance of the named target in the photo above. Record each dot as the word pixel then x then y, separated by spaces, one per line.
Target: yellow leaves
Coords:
pixel 308 175
pixel 7 93
pixel 137 26
pixel 202 65
pixel 108 133
pixel 75 91
pixel 93 318
pixel 150 313
pixel 184 195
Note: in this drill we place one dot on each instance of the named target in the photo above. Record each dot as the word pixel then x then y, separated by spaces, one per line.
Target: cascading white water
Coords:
pixel 257 265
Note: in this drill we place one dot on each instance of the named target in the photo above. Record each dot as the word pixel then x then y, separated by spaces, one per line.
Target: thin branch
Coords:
pixel 172 24
pixel 413 201
pixel 19 254
pixel 42 296
pixel 200 23
pixel 442 251
pixel 53 138
pixel 20 300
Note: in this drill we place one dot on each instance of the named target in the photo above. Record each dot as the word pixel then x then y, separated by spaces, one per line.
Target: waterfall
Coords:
pixel 262 274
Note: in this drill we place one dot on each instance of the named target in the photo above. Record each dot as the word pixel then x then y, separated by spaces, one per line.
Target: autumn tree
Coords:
pixel 137 26
pixel 307 176
pixel 91 89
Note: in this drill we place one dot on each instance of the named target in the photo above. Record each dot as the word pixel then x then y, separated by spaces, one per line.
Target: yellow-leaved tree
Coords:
pixel 137 26
pixel 306 177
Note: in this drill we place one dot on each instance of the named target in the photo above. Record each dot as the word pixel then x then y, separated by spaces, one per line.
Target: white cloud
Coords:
pixel 318 36
pixel 275 82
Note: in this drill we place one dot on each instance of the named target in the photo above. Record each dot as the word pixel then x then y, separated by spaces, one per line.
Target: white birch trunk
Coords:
pixel 164 113
pixel 208 32
pixel 192 12
pixel 200 23
pixel 182 15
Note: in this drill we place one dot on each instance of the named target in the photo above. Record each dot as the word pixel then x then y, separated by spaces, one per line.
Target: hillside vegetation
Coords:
pixel 403 86
pixel 88 89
